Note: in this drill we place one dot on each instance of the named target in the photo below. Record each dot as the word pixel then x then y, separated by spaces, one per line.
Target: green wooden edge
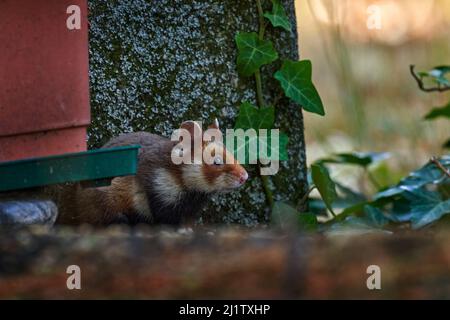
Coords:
pixel 71 167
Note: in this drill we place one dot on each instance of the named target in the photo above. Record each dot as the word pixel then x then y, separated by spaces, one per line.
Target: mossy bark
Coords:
pixel 154 64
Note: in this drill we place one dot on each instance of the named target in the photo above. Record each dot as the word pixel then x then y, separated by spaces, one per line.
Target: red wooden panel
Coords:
pixel 44 83
pixel 41 144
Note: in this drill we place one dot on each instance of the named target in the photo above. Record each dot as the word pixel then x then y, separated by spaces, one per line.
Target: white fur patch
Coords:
pixel 140 201
pixel 167 187
pixel 194 178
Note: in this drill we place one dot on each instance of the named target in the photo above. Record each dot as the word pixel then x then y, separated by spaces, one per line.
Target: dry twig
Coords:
pixel 440 166
pixel 422 85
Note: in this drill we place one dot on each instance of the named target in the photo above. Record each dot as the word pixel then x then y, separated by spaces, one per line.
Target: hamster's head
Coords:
pixel 216 169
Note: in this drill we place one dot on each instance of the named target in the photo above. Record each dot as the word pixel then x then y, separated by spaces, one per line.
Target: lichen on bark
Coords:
pixel 155 64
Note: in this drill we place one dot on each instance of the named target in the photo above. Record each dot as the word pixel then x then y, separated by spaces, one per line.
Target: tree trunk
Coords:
pixel 154 64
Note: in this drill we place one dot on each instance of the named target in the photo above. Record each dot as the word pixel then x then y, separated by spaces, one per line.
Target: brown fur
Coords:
pixel 104 205
pixel 157 194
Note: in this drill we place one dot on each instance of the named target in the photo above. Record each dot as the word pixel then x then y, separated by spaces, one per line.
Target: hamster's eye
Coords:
pixel 218 161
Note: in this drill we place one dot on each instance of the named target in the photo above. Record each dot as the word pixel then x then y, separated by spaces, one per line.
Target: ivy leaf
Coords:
pixel 426 207
pixel 439 112
pixel 242 151
pixel 442 69
pixel 244 144
pixel 278 17
pixel 307 221
pixel 348 199
pixel 253 53
pixel 436 213
pixel 375 217
pixel 295 79
pixel 362 159
pixel 251 117
pixel 400 211
pixel 372 220
pixel 323 182
pixel 353 210
pixel 284 215
pixel 428 174
pixel 438 74
pixel 257 118
pixel 354 226
pixel 271 151
pixel 287 217
pixel 282 151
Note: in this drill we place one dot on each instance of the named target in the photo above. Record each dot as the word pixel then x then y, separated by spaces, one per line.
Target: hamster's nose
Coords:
pixel 243 177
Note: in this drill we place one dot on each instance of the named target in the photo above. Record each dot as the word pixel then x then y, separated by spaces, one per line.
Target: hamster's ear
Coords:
pixel 192 127
pixel 214 125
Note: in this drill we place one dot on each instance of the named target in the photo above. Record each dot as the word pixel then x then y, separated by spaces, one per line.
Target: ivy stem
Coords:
pixel 440 166
pixel 267 191
pixel 261 103
pixel 258 80
pixel 304 199
pixel 259 90
pixel 262 25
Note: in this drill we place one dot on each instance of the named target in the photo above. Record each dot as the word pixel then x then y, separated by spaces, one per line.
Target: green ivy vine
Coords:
pixel 254 52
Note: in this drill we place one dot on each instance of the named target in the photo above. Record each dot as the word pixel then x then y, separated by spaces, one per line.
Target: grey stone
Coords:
pixel 28 212
pixel 154 64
